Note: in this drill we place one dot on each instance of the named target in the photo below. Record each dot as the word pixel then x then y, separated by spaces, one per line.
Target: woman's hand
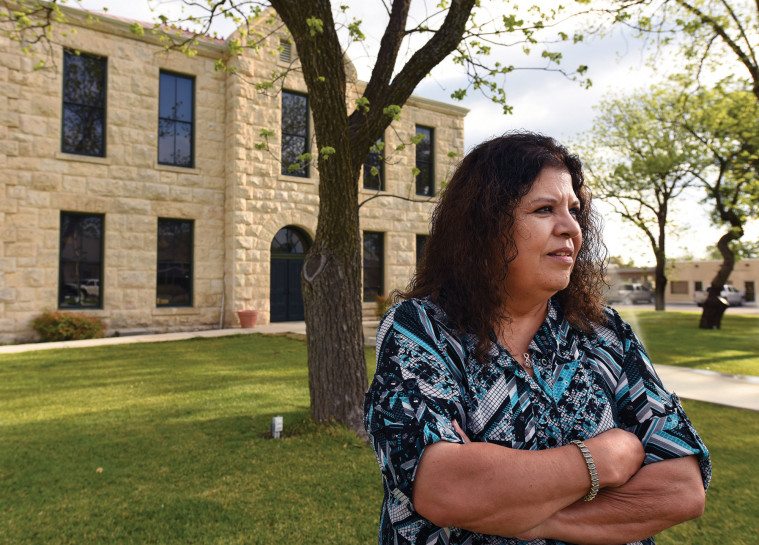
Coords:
pixel 618 455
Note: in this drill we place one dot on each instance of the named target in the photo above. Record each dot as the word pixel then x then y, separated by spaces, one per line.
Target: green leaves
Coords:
pixel 354 30
pixel 137 29
pixel 393 111
pixel 326 152
pixel 362 103
pixel 315 26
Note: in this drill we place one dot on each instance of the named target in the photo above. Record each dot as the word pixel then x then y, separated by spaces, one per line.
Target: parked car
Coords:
pixel 91 286
pixel 732 294
pixel 630 294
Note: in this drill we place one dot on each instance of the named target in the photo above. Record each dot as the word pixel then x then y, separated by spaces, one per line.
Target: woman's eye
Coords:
pixel 544 210
pixel 575 212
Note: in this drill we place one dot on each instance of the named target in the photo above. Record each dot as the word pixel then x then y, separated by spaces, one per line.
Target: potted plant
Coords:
pixel 247 318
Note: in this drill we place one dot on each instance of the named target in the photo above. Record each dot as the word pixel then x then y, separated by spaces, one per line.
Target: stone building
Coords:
pixel 132 187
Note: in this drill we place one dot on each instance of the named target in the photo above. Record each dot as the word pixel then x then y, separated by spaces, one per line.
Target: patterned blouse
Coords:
pixel 583 385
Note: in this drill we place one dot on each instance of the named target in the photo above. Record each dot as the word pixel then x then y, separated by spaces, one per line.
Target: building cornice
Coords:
pixel 122 27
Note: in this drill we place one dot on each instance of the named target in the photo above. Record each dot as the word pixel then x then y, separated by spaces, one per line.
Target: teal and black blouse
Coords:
pixel 583 384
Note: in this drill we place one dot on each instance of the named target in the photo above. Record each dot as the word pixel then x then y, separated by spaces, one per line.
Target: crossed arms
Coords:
pixel 491 489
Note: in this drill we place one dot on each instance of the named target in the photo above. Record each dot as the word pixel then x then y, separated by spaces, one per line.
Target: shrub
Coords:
pixel 66 326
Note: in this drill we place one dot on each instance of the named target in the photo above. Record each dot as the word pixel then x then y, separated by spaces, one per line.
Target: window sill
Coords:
pixel 369 192
pixel 180 170
pixel 91 311
pixel 83 158
pixel 175 311
pixel 296 179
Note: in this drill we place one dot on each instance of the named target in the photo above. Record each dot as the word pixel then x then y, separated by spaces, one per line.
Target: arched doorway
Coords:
pixel 288 250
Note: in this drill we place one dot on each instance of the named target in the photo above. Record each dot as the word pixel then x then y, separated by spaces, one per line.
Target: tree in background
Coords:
pixel 742 249
pixel 723 123
pixel 638 163
pixel 408 51
pixel 710 35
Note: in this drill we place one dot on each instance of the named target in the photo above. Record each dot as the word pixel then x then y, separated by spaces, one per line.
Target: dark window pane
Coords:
pixel 374 175
pixel 423 186
pixel 183 145
pixel 289 241
pixel 184 99
pixel 167 91
pixel 80 261
pixel 166 132
pixel 294 114
pixel 84 79
pixel 176 122
pixel 373 266
pixel 425 162
pixel 83 130
pixel 294 132
pixel 84 94
pixel 292 148
pixel 175 267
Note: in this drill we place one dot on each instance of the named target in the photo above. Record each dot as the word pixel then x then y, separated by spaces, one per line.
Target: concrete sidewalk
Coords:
pixel 734 391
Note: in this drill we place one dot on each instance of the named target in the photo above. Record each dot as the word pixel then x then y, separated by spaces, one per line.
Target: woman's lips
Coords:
pixel 562 258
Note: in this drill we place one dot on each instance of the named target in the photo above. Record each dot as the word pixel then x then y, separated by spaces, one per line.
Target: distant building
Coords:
pixel 686 277
pixel 132 188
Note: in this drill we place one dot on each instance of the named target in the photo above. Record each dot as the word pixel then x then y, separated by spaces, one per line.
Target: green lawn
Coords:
pixel 674 338
pixel 179 430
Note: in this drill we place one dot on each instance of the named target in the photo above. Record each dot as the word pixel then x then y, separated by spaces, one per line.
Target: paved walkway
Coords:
pixel 735 391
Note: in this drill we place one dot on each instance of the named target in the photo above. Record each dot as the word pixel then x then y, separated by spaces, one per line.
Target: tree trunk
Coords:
pixel 660 279
pixel 715 306
pixel 331 277
pixel 660 253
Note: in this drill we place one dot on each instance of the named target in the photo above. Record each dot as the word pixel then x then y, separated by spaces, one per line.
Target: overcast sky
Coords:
pixel 543 102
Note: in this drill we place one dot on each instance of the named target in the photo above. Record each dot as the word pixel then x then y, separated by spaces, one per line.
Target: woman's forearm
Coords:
pixel 491 489
pixel 657 497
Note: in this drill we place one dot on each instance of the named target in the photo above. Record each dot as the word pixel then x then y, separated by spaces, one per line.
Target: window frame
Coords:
pixel 101 271
pixel 191 302
pixel 307 145
pixel 431 169
pixel 104 108
pixel 192 79
pixel 381 265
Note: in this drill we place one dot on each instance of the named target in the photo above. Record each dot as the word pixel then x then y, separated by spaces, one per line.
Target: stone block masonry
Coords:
pixel 234 193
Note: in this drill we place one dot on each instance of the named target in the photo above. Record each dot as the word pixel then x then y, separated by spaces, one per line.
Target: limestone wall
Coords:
pixel 235 194
pixel 127 185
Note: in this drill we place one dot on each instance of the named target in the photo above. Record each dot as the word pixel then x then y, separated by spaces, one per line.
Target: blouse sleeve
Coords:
pixel 652 413
pixel 411 403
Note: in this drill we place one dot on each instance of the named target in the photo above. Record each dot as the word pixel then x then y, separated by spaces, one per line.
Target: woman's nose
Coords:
pixel 568 226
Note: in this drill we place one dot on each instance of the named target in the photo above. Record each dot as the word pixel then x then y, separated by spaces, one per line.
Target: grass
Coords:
pixel 179 433
pixel 673 338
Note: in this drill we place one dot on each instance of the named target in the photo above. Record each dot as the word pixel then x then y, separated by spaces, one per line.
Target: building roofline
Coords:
pixel 437 105
pixel 206 46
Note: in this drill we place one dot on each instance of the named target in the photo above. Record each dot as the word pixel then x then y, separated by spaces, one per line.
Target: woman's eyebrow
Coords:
pixel 552 200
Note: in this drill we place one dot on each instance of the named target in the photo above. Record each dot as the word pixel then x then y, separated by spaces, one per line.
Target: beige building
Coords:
pixel 687 277
pixel 134 187
pixel 684 278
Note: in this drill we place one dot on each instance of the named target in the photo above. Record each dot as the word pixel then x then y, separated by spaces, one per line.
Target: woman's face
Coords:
pixel 547 237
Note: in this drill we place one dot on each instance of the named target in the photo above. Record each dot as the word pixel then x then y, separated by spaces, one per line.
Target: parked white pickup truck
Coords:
pixel 732 294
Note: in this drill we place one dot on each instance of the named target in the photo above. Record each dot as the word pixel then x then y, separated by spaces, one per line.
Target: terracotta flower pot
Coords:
pixel 247 318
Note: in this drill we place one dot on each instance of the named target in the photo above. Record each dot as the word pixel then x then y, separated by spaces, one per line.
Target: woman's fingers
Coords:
pixel 461 432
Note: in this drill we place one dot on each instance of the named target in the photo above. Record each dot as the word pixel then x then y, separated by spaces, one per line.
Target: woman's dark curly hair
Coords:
pixel 467 256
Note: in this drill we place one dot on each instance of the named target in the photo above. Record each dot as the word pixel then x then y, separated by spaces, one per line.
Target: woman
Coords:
pixel 509 404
